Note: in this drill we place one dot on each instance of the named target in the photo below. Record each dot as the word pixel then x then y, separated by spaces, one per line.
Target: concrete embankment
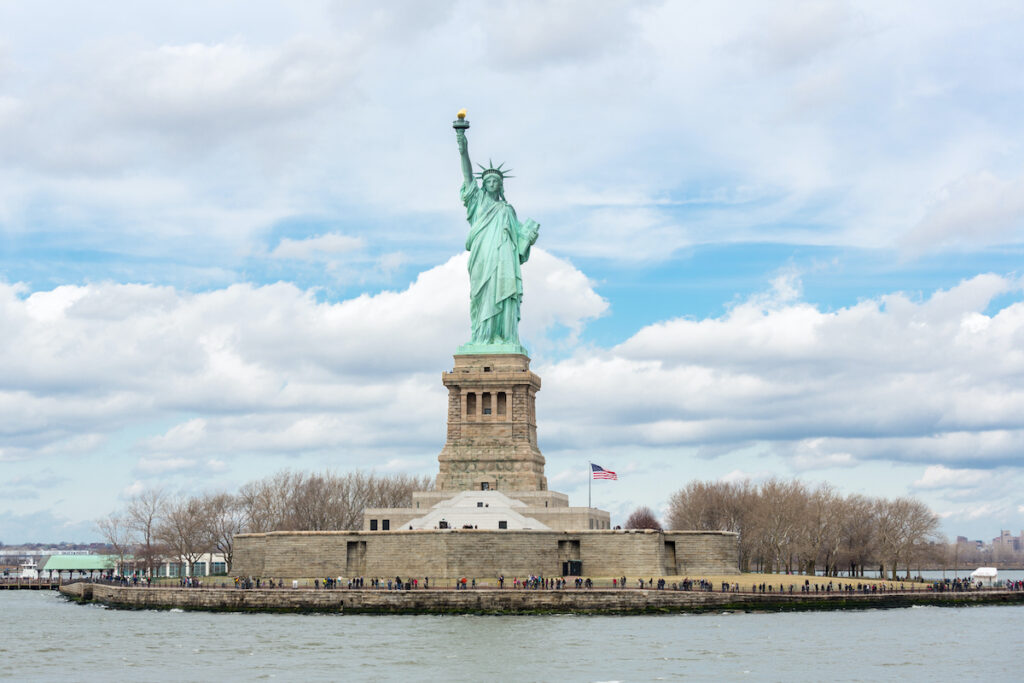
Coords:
pixel 492 601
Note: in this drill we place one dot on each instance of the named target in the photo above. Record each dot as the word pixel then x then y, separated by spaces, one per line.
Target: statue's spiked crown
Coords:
pixel 491 169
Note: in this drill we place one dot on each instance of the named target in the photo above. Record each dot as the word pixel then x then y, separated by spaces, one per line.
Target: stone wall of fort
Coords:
pixel 482 553
pixel 507 601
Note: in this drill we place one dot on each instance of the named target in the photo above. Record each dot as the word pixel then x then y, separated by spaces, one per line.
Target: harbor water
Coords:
pixel 51 639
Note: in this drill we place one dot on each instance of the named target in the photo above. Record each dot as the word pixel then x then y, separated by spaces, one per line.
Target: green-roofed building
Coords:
pixel 84 564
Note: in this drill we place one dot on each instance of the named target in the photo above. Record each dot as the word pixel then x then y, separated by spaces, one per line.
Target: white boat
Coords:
pixel 29 569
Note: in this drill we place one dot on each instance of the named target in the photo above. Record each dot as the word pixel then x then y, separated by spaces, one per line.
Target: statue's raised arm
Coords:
pixel 497 243
pixel 461 125
pixel 467 167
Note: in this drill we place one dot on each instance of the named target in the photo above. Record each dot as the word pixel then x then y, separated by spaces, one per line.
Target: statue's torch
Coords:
pixel 460 124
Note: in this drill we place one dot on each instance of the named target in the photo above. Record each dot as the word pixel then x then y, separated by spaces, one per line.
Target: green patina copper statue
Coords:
pixel 497 243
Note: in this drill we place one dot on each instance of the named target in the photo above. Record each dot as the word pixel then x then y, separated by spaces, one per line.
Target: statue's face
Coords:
pixel 492 183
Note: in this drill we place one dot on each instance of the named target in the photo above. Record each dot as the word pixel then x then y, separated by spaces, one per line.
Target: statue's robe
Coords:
pixel 497 243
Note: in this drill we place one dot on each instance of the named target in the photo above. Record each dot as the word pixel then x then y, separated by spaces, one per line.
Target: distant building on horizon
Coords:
pixel 12 551
pixel 1008 543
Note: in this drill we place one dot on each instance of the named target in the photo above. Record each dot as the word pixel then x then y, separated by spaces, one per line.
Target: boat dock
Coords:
pixel 29 584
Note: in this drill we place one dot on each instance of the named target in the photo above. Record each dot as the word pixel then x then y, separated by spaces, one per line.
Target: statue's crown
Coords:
pixel 493 170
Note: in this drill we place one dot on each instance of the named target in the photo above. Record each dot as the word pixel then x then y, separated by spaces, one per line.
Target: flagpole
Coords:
pixel 590 481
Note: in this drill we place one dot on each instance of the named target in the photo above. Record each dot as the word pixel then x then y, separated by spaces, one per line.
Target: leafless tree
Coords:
pixel 933 554
pixel 643 518
pixel 143 516
pixel 223 517
pixel 823 528
pixel 323 501
pixel 326 501
pixel 859 529
pixel 965 554
pixel 265 501
pixel 786 525
pixel 115 530
pixel 719 506
pixel 709 505
pixel 919 532
pixel 781 513
pixel 184 531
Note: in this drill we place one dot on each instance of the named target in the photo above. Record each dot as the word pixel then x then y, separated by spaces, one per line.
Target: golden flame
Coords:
pixel 461 114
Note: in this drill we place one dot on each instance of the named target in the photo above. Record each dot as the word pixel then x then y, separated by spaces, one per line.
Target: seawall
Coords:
pixel 508 601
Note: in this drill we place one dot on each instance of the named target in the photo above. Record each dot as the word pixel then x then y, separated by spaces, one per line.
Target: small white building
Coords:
pixel 986 576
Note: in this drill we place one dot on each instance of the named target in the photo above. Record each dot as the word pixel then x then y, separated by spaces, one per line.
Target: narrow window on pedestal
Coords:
pixel 502 401
pixel 470 404
pixel 373 525
pixel 485 403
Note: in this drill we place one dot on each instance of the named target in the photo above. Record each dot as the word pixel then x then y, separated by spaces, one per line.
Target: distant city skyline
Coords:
pixel 775 240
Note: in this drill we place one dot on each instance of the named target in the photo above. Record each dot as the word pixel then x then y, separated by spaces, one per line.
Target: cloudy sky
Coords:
pixel 778 239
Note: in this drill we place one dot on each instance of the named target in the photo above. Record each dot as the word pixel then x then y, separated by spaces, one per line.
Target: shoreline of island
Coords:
pixel 510 601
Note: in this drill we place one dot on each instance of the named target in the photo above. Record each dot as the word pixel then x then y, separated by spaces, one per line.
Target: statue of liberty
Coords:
pixel 498 244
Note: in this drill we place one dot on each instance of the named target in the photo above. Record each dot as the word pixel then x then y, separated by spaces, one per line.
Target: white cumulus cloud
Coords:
pixel 319 248
pixel 255 369
pixel 891 378
pixel 940 476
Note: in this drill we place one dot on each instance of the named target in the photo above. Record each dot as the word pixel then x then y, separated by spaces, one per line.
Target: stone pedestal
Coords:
pixel 492 426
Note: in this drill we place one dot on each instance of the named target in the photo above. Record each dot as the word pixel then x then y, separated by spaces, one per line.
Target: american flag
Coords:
pixel 601 473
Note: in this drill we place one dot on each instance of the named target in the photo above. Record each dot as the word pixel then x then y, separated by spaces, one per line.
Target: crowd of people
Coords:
pixel 540 582
pixel 967 584
pixel 955 585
